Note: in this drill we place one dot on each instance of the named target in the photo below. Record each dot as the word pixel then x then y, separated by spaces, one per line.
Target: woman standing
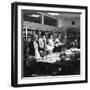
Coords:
pixel 35 42
pixel 50 45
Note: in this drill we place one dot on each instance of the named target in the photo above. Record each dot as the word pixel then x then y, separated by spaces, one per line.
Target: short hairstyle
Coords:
pixel 42 34
pixel 49 35
pixel 34 36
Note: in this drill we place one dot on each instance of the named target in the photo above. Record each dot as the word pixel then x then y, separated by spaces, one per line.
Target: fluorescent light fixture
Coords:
pixel 54 13
pixel 34 15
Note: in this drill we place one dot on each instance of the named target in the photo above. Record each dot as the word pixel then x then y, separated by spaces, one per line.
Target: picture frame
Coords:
pixel 18 12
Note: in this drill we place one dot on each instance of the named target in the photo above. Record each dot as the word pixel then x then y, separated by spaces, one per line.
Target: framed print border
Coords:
pixel 14 43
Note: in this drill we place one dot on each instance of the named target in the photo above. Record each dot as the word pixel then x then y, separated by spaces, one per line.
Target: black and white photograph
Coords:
pixel 51 43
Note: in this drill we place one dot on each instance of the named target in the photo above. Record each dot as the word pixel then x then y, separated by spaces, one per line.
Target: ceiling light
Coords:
pixel 34 15
pixel 54 13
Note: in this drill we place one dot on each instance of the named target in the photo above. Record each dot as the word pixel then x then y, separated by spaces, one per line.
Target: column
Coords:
pixel 42 19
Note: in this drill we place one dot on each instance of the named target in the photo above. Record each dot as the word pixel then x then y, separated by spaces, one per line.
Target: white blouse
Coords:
pixel 37 54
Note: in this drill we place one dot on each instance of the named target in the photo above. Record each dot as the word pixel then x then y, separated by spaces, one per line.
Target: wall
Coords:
pixel 5 46
pixel 68 22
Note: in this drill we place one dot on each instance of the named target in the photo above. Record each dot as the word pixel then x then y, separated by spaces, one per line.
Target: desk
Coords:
pixel 51 66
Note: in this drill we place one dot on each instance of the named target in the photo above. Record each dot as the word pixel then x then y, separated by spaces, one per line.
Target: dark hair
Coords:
pixel 32 37
pixel 49 35
pixel 42 34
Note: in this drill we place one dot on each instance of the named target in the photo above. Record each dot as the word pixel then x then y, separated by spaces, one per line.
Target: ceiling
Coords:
pixel 62 15
pixel 66 15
